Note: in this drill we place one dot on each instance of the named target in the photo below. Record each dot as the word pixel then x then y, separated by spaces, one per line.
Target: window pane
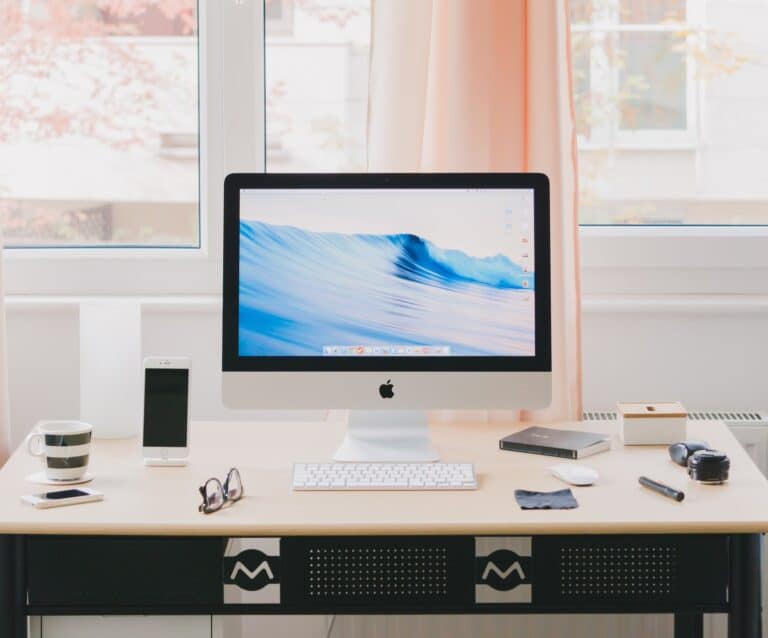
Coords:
pixel 317 84
pixel 581 58
pixel 581 11
pixel 671 117
pixel 652 11
pixel 98 122
pixel 652 81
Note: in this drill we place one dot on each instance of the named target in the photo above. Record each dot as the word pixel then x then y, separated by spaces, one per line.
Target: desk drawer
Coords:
pixel 124 572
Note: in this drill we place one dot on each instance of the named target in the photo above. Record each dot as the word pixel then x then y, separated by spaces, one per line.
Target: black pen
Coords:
pixel 664 490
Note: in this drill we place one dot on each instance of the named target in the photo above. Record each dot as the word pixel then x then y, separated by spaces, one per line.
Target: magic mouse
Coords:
pixel 575 474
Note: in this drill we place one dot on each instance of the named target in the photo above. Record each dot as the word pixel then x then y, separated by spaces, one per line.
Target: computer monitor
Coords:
pixel 386 295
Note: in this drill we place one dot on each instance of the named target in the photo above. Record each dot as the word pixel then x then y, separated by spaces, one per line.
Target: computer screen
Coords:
pixel 386 272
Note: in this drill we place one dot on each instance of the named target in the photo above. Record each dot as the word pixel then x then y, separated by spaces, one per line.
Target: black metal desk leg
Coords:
pixel 689 625
pixel 745 617
pixel 7 586
pixel 13 621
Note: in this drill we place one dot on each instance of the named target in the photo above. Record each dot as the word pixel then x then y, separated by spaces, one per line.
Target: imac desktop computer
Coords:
pixel 386 295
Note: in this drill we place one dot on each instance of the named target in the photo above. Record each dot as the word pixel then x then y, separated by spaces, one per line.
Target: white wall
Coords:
pixel 712 359
pixel 43 365
pixel 707 357
pixel 44 355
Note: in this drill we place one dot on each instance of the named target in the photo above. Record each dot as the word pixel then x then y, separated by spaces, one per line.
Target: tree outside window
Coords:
pixel 669 96
pixel 98 123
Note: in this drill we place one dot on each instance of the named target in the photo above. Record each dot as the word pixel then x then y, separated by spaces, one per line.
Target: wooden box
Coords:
pixel 652 423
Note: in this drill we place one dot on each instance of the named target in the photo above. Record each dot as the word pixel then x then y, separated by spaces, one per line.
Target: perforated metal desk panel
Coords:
pixel 373 574
pixel 147 550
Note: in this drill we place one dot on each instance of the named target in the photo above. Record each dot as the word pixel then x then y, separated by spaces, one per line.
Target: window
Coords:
pixel 98 123
pixel 670 98
pixel 99 130
pixel 632 72
pixel 316 74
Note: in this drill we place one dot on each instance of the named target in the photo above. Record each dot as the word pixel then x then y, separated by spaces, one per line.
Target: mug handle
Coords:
pixel 35 444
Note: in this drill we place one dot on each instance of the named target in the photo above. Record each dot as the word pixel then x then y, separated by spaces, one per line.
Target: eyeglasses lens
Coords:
pixel 214 495
pixel 234 485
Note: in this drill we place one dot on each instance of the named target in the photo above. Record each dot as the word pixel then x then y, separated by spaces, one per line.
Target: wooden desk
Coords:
pixel 624 549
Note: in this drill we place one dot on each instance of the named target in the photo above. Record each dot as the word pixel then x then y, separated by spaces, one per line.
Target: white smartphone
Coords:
pixel 60 498
pixel 166 411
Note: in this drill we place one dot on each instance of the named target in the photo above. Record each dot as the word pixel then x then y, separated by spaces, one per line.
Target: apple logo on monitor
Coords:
pixel 386 390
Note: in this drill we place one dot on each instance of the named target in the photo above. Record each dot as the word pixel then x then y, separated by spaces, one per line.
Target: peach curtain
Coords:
pixel 484 85
pixel 5 428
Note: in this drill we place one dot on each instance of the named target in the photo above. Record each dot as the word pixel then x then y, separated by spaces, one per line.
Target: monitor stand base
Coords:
pixel 385 436
pixel 165 462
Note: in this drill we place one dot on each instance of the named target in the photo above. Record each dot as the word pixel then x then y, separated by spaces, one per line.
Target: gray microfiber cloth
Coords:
pixel 559 500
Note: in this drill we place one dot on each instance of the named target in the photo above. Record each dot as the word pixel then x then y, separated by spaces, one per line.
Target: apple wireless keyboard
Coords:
pixel 384 476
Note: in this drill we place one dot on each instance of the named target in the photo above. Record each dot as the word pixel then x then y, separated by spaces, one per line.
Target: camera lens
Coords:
pixel 709 466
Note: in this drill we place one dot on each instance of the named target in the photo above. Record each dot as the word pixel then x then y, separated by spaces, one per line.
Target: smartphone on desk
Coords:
pixel 60 498
pixel 166 411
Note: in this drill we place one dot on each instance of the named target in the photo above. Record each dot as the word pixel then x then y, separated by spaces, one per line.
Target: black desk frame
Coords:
pixel 683 574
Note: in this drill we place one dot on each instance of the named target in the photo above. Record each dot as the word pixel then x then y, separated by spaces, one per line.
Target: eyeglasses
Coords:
pixel 215 495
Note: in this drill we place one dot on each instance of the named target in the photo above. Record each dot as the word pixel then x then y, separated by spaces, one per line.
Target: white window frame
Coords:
pixel 231 134
pixel 729 261
pixel 605 80
pixel 616 260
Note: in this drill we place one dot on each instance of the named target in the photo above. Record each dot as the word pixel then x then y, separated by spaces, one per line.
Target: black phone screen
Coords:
pixel 165 407
pixel 54 496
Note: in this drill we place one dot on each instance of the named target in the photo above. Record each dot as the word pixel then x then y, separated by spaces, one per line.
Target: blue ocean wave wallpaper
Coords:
pixel 303 291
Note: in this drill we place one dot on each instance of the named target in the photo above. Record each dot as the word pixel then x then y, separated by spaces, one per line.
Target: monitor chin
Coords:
pixel 386 391
pixel 386 436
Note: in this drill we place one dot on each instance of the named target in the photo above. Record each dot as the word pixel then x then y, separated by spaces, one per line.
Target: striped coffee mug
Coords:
pixel 63 446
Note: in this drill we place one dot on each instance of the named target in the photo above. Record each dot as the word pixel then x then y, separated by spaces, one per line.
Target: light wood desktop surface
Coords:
pixel 146 501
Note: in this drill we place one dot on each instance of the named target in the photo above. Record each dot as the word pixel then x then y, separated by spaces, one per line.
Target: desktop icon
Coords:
pixel 386 390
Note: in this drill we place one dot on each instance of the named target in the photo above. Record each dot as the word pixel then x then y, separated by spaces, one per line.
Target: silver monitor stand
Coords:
pixel 387 436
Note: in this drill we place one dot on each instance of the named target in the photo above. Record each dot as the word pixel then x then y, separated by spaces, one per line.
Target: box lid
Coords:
pixel 651 410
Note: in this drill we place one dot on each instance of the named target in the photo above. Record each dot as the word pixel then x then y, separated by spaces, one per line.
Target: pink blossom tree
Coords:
pixel 75 68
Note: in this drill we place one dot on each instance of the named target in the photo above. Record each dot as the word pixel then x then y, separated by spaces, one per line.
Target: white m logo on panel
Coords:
pixel 263 567
pixel 514 567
